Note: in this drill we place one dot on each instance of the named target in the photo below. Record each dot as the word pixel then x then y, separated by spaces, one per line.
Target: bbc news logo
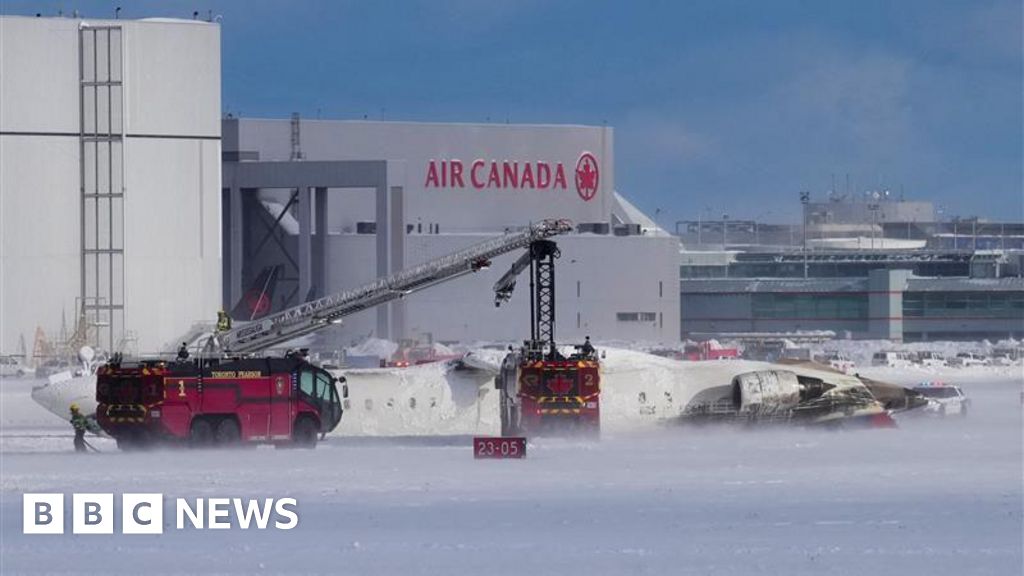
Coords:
pixel 144 513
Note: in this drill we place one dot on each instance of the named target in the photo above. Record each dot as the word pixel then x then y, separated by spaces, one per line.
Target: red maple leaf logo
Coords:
pixel 587 176
pixel 259 304
pixel 560 384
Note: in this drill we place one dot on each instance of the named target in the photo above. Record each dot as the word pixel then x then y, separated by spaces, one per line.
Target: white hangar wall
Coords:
pixel 153 212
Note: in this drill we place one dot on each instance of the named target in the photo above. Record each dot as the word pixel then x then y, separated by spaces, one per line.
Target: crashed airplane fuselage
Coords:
pixel 638 390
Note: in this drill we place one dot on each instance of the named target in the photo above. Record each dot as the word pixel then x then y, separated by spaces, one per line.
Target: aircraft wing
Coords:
pixel 62 390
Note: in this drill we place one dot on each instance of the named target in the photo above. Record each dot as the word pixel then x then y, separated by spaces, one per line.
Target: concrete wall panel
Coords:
pixel 173 78
pixel 39 236
pixel 172 237
pixel 39 78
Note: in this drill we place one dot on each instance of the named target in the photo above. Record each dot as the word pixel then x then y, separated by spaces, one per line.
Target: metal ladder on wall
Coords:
pixel 101 171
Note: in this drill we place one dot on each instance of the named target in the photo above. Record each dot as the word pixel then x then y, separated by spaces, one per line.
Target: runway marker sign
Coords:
pixel 499 448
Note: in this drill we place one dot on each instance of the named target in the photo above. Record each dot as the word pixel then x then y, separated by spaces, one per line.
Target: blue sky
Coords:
pixel 718 106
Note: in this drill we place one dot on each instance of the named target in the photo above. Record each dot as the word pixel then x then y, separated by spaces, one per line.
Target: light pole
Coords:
pixel 805 198
pixel 725 227
pixel 874 218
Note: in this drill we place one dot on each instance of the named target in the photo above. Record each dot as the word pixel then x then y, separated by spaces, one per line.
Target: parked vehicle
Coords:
pixel 968 359
pixel 12 366
pixel 837 361
pixel 943 399
pixel 709 350
pixel 796 354
pixel 892 359
pixel 931 359
pixel 1007 356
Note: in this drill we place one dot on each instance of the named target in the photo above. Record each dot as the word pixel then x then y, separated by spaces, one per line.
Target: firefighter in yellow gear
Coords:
pixel 223 321
pixel 81 424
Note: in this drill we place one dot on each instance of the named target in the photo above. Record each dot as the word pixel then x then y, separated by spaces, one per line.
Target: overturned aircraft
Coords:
pixel 639 390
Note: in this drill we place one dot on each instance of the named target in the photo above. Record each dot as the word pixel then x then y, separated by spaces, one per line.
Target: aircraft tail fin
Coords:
pixel 258 300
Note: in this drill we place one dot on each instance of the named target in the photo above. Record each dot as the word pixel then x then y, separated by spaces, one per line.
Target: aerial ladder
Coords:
pixel 126 390
pixel 315 315
pixel 541 389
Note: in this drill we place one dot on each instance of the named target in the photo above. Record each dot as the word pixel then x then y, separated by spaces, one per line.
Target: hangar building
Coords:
pixel 334 204
pixel 109 179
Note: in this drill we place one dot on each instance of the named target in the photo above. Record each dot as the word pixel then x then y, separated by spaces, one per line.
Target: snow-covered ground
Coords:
pixel 932 497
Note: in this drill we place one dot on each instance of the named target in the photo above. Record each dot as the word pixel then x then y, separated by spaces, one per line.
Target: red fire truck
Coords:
pixel 217 402
pixel 548 394
pixel 542 389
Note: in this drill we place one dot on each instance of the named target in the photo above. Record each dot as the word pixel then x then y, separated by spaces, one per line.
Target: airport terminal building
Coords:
pixel 880 270
pixel 335 204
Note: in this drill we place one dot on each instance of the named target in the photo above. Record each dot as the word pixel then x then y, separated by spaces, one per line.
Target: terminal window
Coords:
pixel 817 306
pixel 964 304
pixel 636 316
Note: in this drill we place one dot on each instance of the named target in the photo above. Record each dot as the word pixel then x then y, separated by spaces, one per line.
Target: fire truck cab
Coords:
pixel 218 402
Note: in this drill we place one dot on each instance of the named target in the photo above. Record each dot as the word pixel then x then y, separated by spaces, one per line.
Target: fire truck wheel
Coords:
pixel 304 434
pixel 201 435
pixel 228 433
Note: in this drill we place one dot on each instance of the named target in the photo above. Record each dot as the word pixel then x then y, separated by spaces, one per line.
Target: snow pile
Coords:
pixel 373 347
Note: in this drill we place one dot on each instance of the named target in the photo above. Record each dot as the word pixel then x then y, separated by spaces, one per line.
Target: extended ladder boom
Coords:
pixel 317 314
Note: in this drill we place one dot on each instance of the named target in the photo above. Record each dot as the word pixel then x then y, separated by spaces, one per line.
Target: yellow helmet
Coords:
pixel 74 407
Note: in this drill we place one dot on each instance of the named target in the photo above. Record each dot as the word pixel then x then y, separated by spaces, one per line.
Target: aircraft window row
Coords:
pixel 368 403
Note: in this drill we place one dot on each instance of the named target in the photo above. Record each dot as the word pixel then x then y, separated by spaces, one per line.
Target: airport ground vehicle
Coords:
pixel 837 361
pixel 542 389
pixel 1007 356
pixel 411 353
pixel 943 399
pixel 931 359
pixel 232 375
pixel 209 402
pixel 892 359
pixel 12 366
pixel 968 359
pixel 710 350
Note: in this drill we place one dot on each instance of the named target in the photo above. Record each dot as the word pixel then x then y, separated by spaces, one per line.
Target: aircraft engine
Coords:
pixel 765 392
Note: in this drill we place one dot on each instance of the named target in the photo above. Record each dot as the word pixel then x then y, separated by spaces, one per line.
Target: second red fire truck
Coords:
pixel 542 389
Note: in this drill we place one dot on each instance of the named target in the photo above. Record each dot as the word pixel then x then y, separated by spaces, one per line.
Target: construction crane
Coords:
pixel 542 389
pixel 317 314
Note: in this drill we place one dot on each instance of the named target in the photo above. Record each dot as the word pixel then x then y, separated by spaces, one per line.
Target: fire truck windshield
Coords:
pixel 318 387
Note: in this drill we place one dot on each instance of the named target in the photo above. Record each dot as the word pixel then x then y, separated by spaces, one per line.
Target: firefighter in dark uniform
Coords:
pixel 81 425
pixel 588 348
